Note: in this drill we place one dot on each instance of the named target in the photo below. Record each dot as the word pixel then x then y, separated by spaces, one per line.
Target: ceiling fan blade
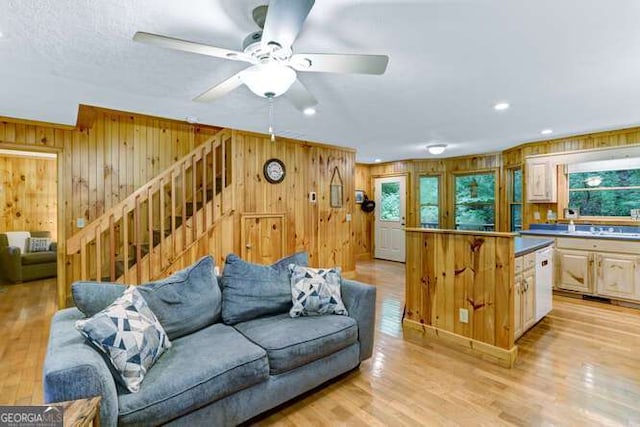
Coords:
pixel 220 89
pixel 337 63
pixel 284 21
pixel 300 96
pixel 193 47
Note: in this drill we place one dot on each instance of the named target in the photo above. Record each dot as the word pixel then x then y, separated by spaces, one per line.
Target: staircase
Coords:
pixel 141 237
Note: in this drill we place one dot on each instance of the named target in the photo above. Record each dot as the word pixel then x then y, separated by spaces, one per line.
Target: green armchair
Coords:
pixel 17 265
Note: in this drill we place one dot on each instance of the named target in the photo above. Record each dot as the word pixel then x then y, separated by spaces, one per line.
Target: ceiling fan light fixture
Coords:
pixel 436 149
pixel 501 106
pixel 269 80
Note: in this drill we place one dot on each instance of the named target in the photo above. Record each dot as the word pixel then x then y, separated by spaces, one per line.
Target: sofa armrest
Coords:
pixel 75 370
pixel 360 300
pixel 12 263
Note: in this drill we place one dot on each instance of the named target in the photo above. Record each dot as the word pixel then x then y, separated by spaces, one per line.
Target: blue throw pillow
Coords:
pixel 252 290
pixel 186 301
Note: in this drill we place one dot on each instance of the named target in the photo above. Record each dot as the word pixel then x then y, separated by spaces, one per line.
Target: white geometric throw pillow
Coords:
pixel 130 336
pixel 38 244
pixel 315 291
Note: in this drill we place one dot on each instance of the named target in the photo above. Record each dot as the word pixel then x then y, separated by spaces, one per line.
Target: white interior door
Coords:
pixel 390 218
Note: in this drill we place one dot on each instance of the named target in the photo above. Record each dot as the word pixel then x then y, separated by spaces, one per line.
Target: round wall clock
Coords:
pixel 274 171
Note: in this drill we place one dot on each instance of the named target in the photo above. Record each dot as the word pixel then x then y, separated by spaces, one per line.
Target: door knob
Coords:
pixel 248 246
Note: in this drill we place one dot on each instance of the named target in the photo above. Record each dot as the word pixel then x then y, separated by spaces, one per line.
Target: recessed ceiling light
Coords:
pixel 191 119
pixel 1 35
pixel 547 131
pixel 436 149
pixel 377 160
pixel 501 106
pixel 309 111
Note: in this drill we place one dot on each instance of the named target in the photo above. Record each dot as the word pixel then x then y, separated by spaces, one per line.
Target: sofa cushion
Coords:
pixel 186 301
pixel 293 342
pixel 252 290
pixel 129 334
pixel 32 258
pixel 200 368
pixel 18 239
pixel 92 297
pixel 315 291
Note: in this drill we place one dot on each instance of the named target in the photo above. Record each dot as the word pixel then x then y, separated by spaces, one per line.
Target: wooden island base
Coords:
pixel 423 334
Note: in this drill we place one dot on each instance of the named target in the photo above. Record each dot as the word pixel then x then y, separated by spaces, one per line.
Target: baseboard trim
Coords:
pixel 421 334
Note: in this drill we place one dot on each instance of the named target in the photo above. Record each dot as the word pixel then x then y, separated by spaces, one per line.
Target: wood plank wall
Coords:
pixel 28 194
pixel 363 221
pixel 317 228
pixel 447 272
pixel 500 162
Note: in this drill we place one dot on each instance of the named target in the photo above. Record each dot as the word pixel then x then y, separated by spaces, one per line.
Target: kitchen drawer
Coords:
pixel 618 246
pixel 519 264
pixel 529 261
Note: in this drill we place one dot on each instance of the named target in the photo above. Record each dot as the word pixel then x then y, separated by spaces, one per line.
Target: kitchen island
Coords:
pixel 462 288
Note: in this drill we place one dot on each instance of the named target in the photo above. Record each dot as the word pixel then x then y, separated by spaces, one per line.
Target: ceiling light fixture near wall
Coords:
pixel 378 160
pixel 309 111
pixel 191 119
pixel 436 149
pixel 546 131
pixel 501 106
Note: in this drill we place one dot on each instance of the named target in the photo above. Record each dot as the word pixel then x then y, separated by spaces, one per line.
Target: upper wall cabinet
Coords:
pixel 542 181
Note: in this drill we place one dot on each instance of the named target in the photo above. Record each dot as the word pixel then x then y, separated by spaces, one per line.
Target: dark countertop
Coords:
pixel 528 245
pixel 634 237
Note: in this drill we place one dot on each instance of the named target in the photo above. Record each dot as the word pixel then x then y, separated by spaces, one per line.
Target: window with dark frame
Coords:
pixel 429 197
pixel 475 201
pixel 515 199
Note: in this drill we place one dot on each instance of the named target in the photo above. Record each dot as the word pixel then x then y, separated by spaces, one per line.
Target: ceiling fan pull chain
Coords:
pixel 273 135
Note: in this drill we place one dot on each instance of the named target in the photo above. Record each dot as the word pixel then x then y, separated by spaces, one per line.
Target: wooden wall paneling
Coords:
pixel 363 221
pixel 450 271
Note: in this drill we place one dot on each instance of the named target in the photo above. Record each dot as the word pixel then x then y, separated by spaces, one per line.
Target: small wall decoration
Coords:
pixel 359 196
pixel 336 189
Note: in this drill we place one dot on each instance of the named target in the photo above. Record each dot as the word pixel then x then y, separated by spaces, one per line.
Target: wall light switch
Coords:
pixel 536 216
pixel 80 222
pixel 348 217
pixel 464 315
pixel 312 197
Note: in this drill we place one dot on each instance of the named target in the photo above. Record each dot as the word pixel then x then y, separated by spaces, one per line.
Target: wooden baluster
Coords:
pixel 194 199
pixel 138 231
pixel 83 258
pixel 205 224
pixel 184 204
pixel 98 238
pixel 150 237
pixel 215 182
pixel 125 243
pixel 173 215
pixel 112 249
pixel 162 225
pixel 223 175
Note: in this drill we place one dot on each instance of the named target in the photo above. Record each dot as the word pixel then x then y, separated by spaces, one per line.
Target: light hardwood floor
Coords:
pixel 579 366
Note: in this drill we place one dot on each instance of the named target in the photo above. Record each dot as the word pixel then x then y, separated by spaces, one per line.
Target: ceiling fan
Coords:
pixel 270 51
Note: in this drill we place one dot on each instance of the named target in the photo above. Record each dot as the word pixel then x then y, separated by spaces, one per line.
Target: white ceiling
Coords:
pixel 569 65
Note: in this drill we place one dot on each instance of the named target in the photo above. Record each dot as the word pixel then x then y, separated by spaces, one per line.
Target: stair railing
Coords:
pixel 140 237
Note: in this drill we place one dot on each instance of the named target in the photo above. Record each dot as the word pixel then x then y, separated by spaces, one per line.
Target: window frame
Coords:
pixel 564 203
pixel 452 191
pixel 441 203
pixel 510 202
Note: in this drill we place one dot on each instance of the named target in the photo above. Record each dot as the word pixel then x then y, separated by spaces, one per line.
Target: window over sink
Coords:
pixel 607 188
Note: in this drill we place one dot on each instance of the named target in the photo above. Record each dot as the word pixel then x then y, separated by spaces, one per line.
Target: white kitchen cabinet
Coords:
pixel 529 299
pixel 542 181
pixel 607 268
pixel 617 275
pixel 525 287
pixel 574 270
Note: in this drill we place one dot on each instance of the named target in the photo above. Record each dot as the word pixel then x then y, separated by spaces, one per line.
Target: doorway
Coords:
pixel 390 218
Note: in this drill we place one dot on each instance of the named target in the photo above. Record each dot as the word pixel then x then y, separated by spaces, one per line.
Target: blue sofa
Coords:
pixel 220 374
